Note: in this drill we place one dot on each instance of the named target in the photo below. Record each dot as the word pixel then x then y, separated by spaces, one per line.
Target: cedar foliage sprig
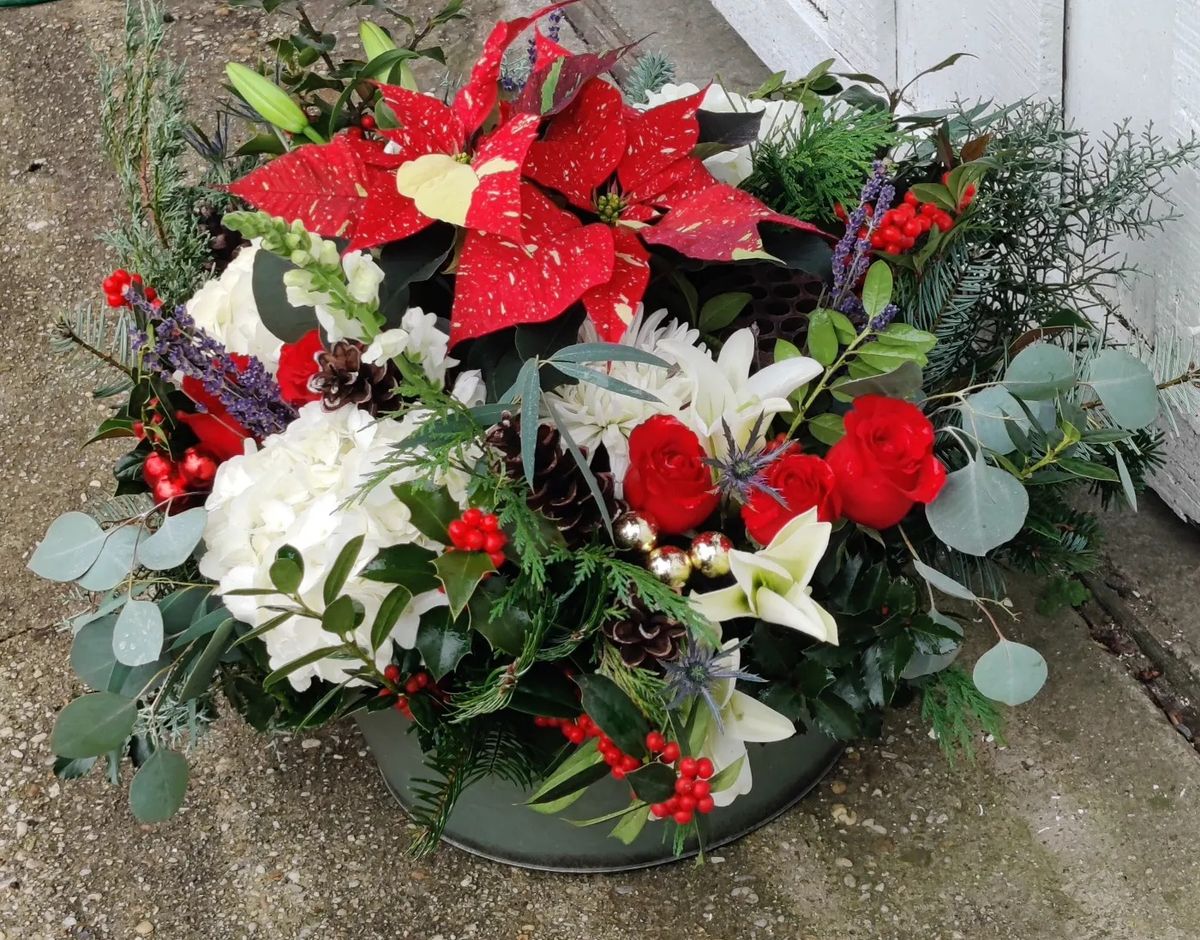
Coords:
pixel 956 711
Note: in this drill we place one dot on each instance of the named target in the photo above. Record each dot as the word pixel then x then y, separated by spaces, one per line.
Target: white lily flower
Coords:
pixel 743 719
pixel 773 583
pixel 725 391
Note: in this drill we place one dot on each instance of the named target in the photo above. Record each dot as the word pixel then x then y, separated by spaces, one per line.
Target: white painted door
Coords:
pixel 1104 59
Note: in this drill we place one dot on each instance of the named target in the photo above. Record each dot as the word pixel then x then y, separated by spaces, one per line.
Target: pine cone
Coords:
pixel 223 243
pixel 559 491
pixel 343 378
pixel 644 638
pixel 780 302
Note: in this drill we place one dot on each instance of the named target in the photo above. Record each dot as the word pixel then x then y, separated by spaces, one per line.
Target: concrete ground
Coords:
pixel 1083 826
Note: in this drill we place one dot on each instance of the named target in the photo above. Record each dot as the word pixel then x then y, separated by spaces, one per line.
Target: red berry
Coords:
pixel 121 275
pixel 135 279
pixel 946 178
pixel 682 816
pixel 701 789
pixel 473 540
pixel 151 294
pixel 392 673
pixel 498 559
pixel 683 786
pixel 840 211
pixel 157 467
pixel 687 803
pixel 368 122
pixel 629 763
pixel 197 468
pixel 912 228
pixel 929 210
pixel 612 758
pixel 412 686
pixel 472 517
pixel 423 679
pixel 670 753
pixel 618 773
pixel 660 810
pixel 115 300
pixel 489 523
pixel 493 542
pixel 458 532
pixel 687 767
pixel 655 742
pixel 704 768
pixel 575 734
pixel 903 213
pixel 705 805
pixel 910 199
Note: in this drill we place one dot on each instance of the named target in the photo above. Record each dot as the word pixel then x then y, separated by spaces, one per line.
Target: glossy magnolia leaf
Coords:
pixel 989 414
pixel 158 788
pixel 719 224
pixel 943 582
pixel 175 540
pixel 980 508
pixel 877 288
pixel 460 574
pixel 442 641
pixel 70 547
pixel 1040 371
pixel 934 654
pixel 93 725
pixel 393 606
pixel 1010 672
pixel 1125 387
pixel 93 659
pixel 115 561
pixel 615 713
pixel 138 634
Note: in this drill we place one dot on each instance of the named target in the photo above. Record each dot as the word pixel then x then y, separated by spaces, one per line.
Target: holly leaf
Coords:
pixel 719 224
pixel 441 641
pixel 460 574
pixel 615 713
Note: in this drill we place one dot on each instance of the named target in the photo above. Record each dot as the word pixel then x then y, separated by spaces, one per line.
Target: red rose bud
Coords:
pixel 668 479
pixel 298 364
pixel 885 463
pixel 802 481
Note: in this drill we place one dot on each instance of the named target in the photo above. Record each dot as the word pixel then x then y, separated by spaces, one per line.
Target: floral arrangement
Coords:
pixel 594 433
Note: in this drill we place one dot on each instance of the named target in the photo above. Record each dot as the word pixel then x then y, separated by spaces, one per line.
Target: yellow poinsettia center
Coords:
pixel 609 206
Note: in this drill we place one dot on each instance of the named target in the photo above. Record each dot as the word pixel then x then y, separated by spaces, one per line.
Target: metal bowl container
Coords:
pixel 490 820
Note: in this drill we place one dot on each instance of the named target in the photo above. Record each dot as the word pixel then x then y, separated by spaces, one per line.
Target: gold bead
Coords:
pixel 709 554
pixel 634 532
pixel 670 565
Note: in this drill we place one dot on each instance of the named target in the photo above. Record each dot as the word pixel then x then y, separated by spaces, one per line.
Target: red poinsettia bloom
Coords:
pixel 298 364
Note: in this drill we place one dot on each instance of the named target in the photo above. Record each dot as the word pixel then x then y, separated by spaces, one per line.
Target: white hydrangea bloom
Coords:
pixel 419 338
pixel 224 308
pixel 296 491
pixel 733 166
pixel 594 416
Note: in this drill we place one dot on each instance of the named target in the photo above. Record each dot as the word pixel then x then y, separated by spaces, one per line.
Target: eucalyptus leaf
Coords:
pixel 115 560
pixel 138 634
pixel 1040 371
pixel 93 659
pixel 988 416
pixel 943 582
pixel 93 725
pixel 606 381
pixel 159 786
pixel 980 508
pixel 1126 388
pixel 1010 672
pixel 70 547
pixel 174 541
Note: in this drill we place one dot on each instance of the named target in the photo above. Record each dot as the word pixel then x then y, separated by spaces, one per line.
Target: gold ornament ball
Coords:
pixel 709 554
pixel 634 532
pixel 670 565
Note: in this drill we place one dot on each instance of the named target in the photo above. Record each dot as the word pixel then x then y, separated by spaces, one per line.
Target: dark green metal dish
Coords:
pixel 490 821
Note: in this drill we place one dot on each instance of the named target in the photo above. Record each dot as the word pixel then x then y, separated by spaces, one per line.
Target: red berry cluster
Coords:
pixel 417 683
pixel 117 283
pixel 581 729
pixel 693 792
pixel 901 226
pixel 476 531
pixel 170 480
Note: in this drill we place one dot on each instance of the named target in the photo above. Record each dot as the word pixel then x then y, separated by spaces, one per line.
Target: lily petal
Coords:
pixel 726 604
pixel 780 379
pixel 774 608
pixel 749 719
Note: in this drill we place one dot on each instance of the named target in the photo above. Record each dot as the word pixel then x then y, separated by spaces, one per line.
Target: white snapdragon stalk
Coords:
pixel 225 309
pixel 363 277
pixel 739 719
pixel 727 392
pixel 733 166
pixel 418 338
pixel 772 584
pixel 595 416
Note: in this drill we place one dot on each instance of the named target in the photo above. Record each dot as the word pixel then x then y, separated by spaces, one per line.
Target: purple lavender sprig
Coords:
pixel 852 255
pixel 514 81
pixel 176 347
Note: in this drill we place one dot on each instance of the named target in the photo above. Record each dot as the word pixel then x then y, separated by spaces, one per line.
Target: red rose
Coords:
pixel 220 436
pixel 885 462
pixel 802 481
pixel 668 479
pixel 298 364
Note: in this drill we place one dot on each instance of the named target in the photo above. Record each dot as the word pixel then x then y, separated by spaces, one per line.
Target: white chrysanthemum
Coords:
pixel 733 166
pixel 594 415
pixel 225 309
pixel 417 337
pixel 296 490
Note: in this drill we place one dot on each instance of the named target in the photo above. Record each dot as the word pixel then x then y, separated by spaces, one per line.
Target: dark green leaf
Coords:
pixel 340 617
pixel 409 565
pixel 93 725
pixel 654 782
pixel 284 321
pixel 431 510
pixel 200 677
pixel 442 641
pixel 834 717
pixel 159 786
pixel 393 606
pixel 340 570
pixel 615 713
pixel 460 574
pixel 274 678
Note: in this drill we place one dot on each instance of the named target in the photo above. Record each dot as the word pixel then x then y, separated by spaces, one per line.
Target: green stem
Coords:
pixel 823 384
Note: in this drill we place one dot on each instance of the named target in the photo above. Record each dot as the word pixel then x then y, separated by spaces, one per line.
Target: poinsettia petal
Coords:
pixel 657 137
pixel 611 305
pixel 546 50
pixel 681 181
pixel 719 224
pixel 502 282
pixel 582 146
pixel 475 100
pixel 496 202
pixel 427 124
pixel 385 215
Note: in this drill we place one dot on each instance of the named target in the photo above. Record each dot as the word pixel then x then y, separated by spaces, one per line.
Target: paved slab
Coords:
pixel 1084 827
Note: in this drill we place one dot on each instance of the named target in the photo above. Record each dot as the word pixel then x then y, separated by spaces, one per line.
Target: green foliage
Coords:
pixel 650 72
pixel 1060 593
pixel 956 712
pixel 807 170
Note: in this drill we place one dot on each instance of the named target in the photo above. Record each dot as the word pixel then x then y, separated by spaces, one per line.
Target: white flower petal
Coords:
pixel 726 604
pixel 749 719
pixel 780 379
pixel 774 608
